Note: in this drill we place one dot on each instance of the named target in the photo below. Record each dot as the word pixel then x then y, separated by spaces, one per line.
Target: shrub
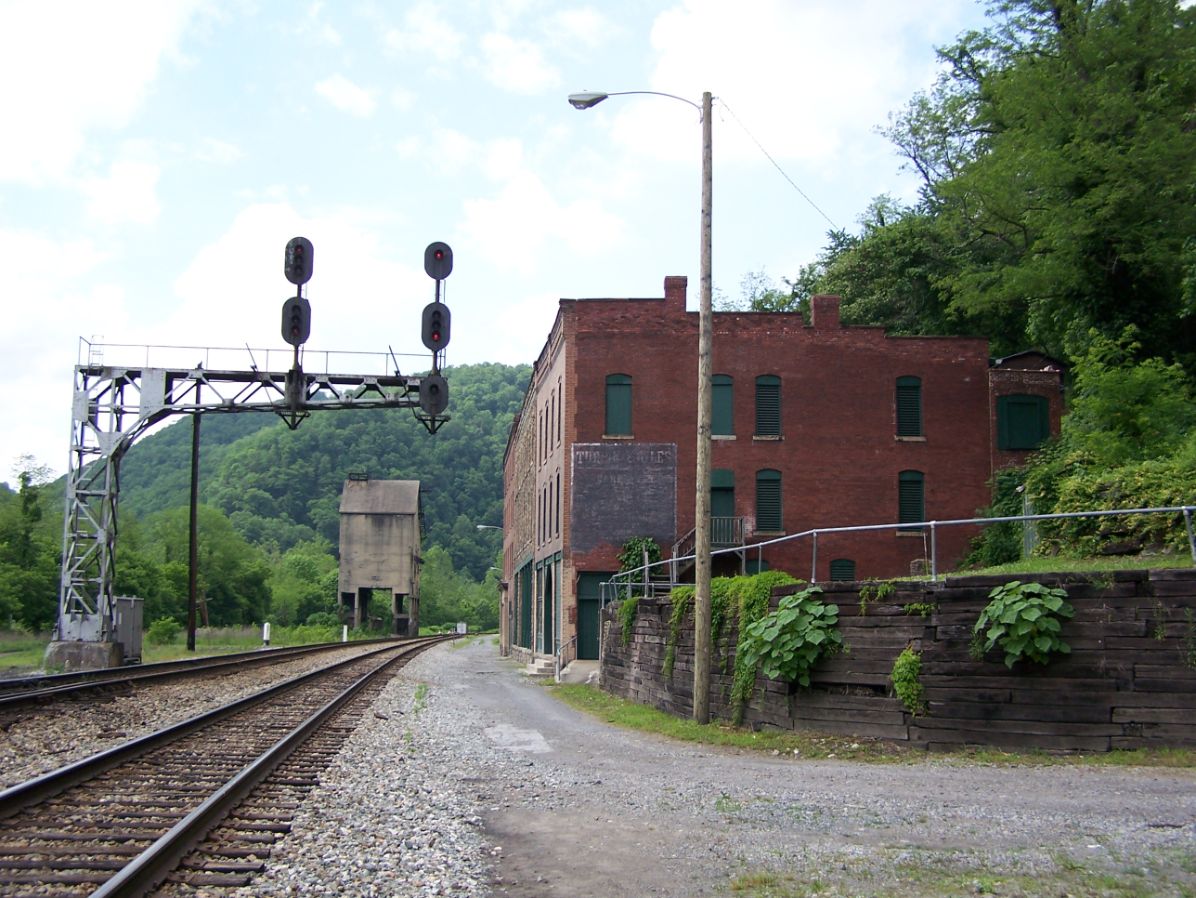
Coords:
pixel 1025 620
pixel 907 683
pixel 787 642
pixel 163 631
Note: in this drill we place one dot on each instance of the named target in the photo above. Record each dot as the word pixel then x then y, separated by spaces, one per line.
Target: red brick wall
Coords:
pixel 838 454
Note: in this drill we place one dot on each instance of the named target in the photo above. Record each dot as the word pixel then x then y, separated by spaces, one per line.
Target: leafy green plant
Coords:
pixel 632 555
pixel 682 598
pixel 874 591
pixel 1025 620
pixel 627 612
pixel 786 643
pixel 922 609
pixel 907 683
pixel 163 631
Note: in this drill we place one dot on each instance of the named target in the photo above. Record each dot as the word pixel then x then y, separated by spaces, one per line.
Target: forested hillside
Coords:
pixel 280 488
pixel 269 516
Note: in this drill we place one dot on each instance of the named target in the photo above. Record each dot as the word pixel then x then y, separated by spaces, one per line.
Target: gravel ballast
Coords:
pixel 467 779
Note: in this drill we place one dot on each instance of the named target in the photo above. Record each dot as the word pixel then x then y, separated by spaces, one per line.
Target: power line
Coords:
pixel 802 193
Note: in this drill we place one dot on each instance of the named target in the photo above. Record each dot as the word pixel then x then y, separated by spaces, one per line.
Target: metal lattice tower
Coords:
pixel 115 405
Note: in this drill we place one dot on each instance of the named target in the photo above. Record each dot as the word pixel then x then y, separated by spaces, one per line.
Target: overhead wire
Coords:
pixel 723 104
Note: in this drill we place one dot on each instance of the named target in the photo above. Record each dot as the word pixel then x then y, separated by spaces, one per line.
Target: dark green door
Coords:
pixel 549 600
pixel 525 607
pixel 589 603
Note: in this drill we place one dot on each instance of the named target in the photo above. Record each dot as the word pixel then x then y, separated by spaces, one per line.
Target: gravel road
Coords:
pixel 467 779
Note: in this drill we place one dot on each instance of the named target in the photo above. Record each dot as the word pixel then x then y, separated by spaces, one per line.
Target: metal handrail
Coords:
pixel 626 579
pixel 568 648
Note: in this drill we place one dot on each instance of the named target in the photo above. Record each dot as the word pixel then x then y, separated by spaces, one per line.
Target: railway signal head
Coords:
pixel 297 261
pixel 296 320
pixel 438 260
pixel 436 323
pixel 433 395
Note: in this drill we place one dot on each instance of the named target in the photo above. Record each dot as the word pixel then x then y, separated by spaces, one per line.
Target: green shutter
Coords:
pixel 768 501
pixel 842 569
pixel 910 498
pixel 909 407
pixel 1023 421
pixel 722 420
pixel 768 406
pixel 618 405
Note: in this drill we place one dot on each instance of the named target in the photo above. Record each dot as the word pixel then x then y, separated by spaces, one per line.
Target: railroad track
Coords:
pixel 196 804
pixel 16 692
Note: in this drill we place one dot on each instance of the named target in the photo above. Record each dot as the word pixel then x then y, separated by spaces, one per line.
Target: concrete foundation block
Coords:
pixel 78 655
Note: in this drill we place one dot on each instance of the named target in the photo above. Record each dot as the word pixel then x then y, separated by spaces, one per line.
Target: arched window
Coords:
pixel 722 421
pixel 768 501
pixel 911 505
pixel 842 569
pixel 909 406
pixel 618 405
pixel 768 406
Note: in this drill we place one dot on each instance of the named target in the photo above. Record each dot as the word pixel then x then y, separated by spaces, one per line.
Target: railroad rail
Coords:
pixel 161 807
pixel 17 691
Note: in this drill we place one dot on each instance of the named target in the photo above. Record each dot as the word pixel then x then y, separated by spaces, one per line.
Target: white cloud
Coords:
pixel 128 194
pixel 424 32
pixel 56 281
pixel 48 107
pixel 317 29
pixel 219 152
pixel 818 80
pixel 347 96
pixel 579 29
pixel 517 66
pixel 517 226
pixel 234 285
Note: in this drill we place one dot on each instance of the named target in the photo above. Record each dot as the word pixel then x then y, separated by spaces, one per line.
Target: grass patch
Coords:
pixel 809 744
pixel 421 698
pixel 948 874
pixel 21 654
pixel 1062 565
pixel 633 716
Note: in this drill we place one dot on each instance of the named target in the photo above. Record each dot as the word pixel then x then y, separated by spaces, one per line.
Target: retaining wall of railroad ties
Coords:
pixel 1129 681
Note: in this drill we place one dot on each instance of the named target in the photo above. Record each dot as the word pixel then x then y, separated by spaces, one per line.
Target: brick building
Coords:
pixel 814 425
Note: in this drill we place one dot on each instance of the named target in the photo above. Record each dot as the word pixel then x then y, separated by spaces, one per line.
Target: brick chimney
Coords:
pixel 824 312
pixel 675 287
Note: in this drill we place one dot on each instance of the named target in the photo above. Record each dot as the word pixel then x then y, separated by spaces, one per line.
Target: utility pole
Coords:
pixel 702 611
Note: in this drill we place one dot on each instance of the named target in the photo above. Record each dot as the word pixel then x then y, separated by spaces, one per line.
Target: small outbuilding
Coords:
pixel 379 550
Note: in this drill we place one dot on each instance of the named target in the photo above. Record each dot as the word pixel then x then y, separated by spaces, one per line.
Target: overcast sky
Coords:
pixel 156 157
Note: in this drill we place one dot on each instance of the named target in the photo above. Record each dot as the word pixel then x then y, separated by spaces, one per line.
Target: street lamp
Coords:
pixel 488 527
pixel 702 621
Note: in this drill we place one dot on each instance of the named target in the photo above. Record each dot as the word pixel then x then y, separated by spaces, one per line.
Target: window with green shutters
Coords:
pixel 768 406
pixel 911 506
pixel 768 501
pixel 618 405
pixel 909 406
pixel 842 569
pixel 1023 422
pixel 722 421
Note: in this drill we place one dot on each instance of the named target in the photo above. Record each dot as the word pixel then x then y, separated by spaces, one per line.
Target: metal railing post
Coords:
pixel 814 559
pixel 934 560
pixel 1191 537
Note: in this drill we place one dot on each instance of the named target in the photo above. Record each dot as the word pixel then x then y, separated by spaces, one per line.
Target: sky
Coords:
pixel 157 155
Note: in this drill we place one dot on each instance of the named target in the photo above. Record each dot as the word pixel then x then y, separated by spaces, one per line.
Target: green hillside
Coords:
pixel 280 487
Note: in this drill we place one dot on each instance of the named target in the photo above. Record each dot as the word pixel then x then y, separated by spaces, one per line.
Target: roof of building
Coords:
pixel 380 497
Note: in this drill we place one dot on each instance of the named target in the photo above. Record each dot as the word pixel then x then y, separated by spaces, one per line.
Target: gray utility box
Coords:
pixel 129 610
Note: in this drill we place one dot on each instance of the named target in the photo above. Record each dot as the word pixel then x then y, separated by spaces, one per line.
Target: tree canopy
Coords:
pixel 1057 153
